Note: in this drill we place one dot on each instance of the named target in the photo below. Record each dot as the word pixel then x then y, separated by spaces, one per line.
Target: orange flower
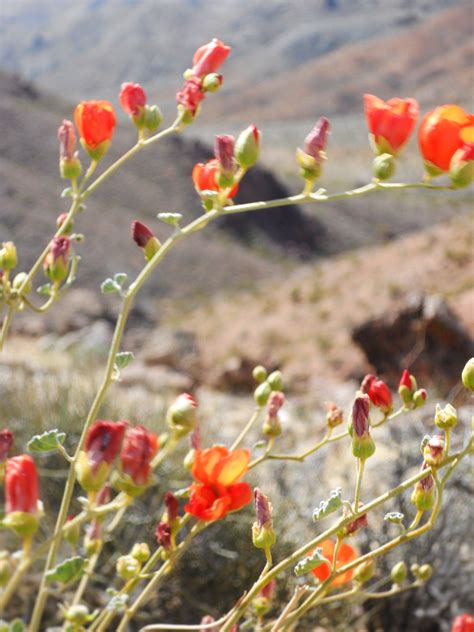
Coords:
pixel 217 491
pixel 442 132
pixel 345 555
pixel 204 177
pixel 390 123
pixel 95 121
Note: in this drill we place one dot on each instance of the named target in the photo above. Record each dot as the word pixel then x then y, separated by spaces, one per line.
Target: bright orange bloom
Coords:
pixel 217 491
pixel 391 122
pixel 204 177
pixel 95 121
pixel 442 132
pixel 345 555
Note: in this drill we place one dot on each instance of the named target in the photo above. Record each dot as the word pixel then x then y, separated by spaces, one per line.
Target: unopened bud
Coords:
pixel 61 220
pixel 423 495
pixel 145 239
pixel 141 552
pixel 334 416
pixel 364 572
pixel 72 534
pixel 446 417
pixel 263 535
pixel 79 615
pixel 468 375
pixel 275 380
pixel 56 262
pixel 419 398
pixel 399 573
pixel 259 373
pixel 434 451
pixel 163 535
pixel 153 117
pixel 425 571
pixel 262 393
pixel 133 100
pixel 8 256
pixel 383 167
pixel 19 280
pixel 247 147
pixel 224 153
pixel 181 416
pixel 363 445
pixel 127 567
pixel 461 168
pixel 69 164
pixel 212 82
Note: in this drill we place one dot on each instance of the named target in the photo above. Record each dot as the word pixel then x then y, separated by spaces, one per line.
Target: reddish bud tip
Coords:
pixel 316 141
pixel 360 415
pixel 132 98
pixel 224 152
pixel 209 58
pixel 141 234
pixel 172 506
pixel 163 535
pixel 263 508
pixel 67 140
pixel 405 380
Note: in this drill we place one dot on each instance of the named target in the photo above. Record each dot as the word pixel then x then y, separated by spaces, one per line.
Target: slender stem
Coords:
pixel 84 579
pixel 291 605
pixel 416 520
pixel 360 474
pixel 7 321
pixel 247 428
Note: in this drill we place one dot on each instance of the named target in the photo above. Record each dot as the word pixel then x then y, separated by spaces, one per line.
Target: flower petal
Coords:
pixel 206 461
pixel 232 467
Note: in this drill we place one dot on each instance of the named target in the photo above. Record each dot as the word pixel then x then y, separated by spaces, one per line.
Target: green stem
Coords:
pixel 247 428
pixel 360 474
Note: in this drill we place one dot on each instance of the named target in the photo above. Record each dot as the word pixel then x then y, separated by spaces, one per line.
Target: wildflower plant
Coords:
pixel 115 462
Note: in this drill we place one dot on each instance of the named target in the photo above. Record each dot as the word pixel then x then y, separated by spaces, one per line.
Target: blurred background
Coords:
pixel 327 294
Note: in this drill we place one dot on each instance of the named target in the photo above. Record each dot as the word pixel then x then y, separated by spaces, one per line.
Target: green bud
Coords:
pixel 70 169
pixel 78 614
pixel 419 398
pixel 261 606
pixel 399 572
pixel 141 552
pixel 424 572
pixel 247 147
pixel 8 256
pixel 446 417
pixel 152 117
pixel 127 567
pixel 364 572
pixel 423 498
pixel 263 537
pixel 468 375
pixel 23 523
pixel 275 380
pixel 19 280
pixel 383 167
pixel 262 393
pixel 259 373
pixel 362 447
pixel 181 416
pixel 212 82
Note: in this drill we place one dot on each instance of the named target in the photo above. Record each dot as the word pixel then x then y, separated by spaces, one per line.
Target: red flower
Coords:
pixel 217 491
pixel 139 447
pixel 390 123
pixel 463 623
pixel 204 177
pixel 95 121
pixel 132 98
pixel 21 485
pixel 380 395
pixel 345 555
pixel 103 442
pixel 442 132
pixel 209 58
pixel 191 95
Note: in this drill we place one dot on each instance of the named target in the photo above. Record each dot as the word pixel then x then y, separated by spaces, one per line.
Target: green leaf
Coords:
pixel 120 278
pixel 328 506
pixel 46 442
pixel 109 286
pixel 308 563
pixel 170 218
pixel 123 359
pixel 70 569
pixel 44 290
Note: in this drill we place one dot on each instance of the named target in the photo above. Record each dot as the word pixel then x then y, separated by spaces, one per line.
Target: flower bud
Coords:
pixel 189 99
pixel 362 443
pixel 423 495
pixel 364 572
pixel 247 147
pixel 95 121
pixel 181 416
pixel 383 167
pixel 8 256
pixel 461 167
pixel 275 380
pixel 310 158
pixel 208 58
pixel 259 373
pixel 380 395
pixel 390 123
pixel 334 415
pixel 60 220
pixel 425 572
pixel 263 535
pixel 72 534
pixel 18 282
pixel 399 573
pixel 446 417
pixel 419 398
pixel 163 535
pixel 468 375
pixel 358 523
pixel 102 445
pixel 171 508
pixel 262 393
pixel 138 450
pixel 224 153
pixel 69 164
pixel 145 239
pixel 272 425
pixel 212 82
pixel 22 505
pixel 433 451
pixel 263 601
pixel 141 552
pixel 127 567
pixel 407 388
pixel 56 262
pixel 133 100
pixel 153 118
